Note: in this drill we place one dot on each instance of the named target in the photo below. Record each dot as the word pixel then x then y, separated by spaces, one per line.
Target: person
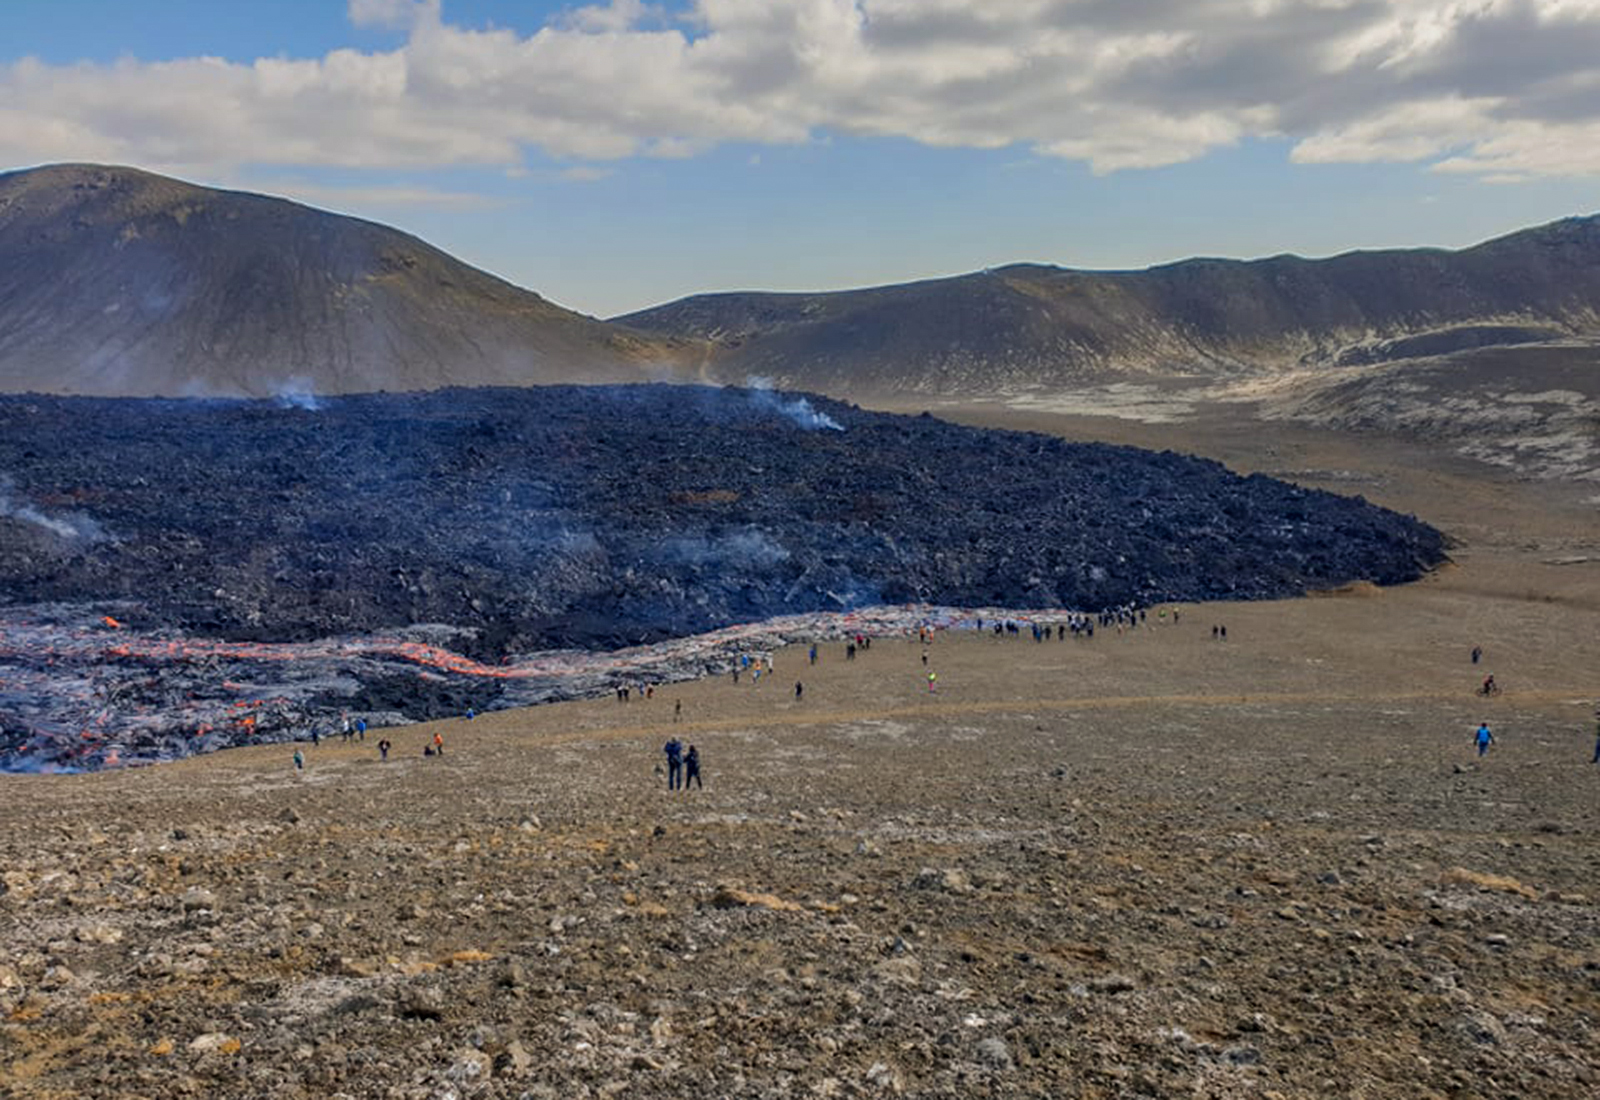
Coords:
pixel 299 760
pixel 799 690
pixel 438 743
pixel 1477 653
pixel 674 750
pixel 1483 738
pixel 1489 686
pixel 316 738
pixel 932 677
pixel 383 749
pixel 344 727
pixel 813 653
pixel 1596 759
pixel 691 769
pixel 361 729
pixel 677 710
pixel 471 714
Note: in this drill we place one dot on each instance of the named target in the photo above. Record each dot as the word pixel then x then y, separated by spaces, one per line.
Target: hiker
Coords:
pixel 344 727
pixel 299 760
pixel 850 651
pixel 674 750
pixel 677 710
pixel 316 738
pixel 383 749
pixel 438 743
pixel 1477 653
pixel 813 653
pixel 799 690
pixel 1489 686
pixel 361 729
pixel 1483 738
pixel 471 714
pixel 932 676
pixel 691 769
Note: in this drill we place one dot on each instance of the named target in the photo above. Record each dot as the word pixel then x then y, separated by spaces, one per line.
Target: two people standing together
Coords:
pixel 682 768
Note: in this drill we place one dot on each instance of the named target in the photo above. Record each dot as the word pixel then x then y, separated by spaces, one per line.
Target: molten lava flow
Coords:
pixel 68 693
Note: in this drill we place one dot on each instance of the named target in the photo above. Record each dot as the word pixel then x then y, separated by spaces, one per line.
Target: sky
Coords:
pixel 623 154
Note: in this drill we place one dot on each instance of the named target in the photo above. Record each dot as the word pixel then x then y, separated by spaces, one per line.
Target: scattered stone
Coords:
pixel 994 1053
pixel 1461 876
pixel 197 897
pixel 214 1042
pixel 731 897
pixel 421 1002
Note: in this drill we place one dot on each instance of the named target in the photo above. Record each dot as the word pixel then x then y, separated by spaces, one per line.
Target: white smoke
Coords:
pixel 71 526
pixel 797 409
pixel 297 392
pixel 751 548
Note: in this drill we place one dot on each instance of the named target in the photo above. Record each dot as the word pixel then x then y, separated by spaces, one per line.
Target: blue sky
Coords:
pixel 623 154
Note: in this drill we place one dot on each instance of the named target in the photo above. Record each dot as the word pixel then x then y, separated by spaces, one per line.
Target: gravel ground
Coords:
pixel 1153 864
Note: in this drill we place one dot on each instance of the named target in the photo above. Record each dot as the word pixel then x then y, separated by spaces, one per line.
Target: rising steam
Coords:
pixel 297 392
pixel 797 409
pixel 71 525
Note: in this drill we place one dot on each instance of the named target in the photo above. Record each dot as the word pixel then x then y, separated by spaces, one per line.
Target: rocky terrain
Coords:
pixel 1153 863
pixel 122 283
pixel 416 554
pixel 1146 865
pixel 1028 328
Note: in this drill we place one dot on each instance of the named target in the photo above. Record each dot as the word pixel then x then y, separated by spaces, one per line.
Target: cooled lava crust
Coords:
pixel 599 517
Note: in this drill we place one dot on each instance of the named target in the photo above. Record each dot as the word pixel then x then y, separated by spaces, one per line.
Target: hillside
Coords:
pixel 1029 326
pixel 116 282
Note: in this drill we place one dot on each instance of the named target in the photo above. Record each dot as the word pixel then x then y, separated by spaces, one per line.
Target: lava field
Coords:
pixel 517 521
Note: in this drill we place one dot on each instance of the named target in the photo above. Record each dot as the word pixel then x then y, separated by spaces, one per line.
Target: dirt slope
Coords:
pixel 116 282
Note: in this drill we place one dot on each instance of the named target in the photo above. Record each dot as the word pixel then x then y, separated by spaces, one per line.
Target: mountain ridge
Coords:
pixel 1030 324
pixel 120 282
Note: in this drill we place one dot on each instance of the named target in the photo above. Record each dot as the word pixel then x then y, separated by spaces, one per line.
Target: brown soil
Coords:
pixel 1150 864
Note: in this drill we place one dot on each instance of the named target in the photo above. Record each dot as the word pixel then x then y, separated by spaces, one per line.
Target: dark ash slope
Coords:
pixel 116 282
pixel 1029 325
pixel 612 515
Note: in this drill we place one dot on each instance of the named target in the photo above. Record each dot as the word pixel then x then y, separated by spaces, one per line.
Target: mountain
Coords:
pixel 1027 325
pixel 117 282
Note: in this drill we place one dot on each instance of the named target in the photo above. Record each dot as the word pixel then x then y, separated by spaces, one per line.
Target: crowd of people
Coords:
pixel 683 764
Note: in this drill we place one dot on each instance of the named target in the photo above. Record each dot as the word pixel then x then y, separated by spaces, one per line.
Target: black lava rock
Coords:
pixel 607 516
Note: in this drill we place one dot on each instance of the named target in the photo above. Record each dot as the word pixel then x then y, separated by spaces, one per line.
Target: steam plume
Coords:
pixel 797 409
pixel 71 526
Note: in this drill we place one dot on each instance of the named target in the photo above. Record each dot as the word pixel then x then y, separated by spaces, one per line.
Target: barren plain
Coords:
pixel 1154 863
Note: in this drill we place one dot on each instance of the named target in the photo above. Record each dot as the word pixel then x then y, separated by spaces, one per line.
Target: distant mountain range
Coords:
pixel 117 282
pixel 1029 326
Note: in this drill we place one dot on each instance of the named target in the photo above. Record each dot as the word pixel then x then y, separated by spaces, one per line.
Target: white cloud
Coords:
pixel 391 13
pixel 1488 87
